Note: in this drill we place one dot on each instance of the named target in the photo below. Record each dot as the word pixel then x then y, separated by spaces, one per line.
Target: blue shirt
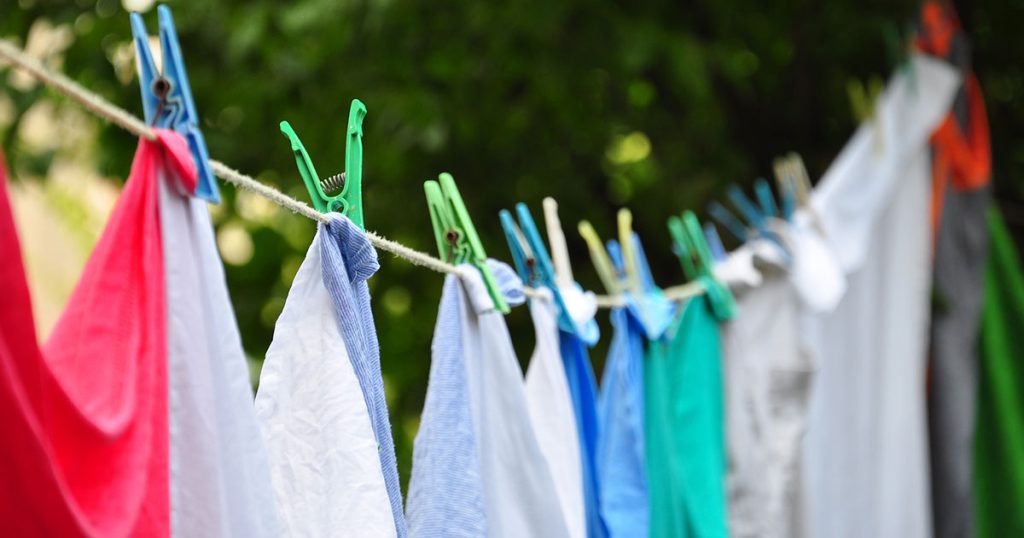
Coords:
pixel 620 449
pixel 583 388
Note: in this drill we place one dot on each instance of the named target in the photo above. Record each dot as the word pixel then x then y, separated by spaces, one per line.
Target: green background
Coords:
pixel 654 105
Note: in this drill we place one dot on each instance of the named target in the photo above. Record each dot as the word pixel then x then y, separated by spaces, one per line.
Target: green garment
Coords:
pixel 999 435
pixel 684 426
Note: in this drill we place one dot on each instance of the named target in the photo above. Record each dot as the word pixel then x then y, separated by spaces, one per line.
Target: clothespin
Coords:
pixel 347 186
pixel 625 228
pixel 646 300
pixel 862 103
pixel 689 230
pixel 765 197
pixel 898 45
pixel 540 269
pixel 167 97
pixel 556 238
pixel 682 246
pixel 715 242
pixel 602 263
pixel 726 218
pixel 457 240
pixel 787 188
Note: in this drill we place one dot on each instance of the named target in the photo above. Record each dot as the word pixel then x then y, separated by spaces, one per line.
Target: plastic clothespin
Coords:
pixel 542 270
pixel 715 242
pixel 457 240
pixel 629 257
pixel 347 186
pixel 726 218
pixel 862 104
pixel 765 197
pixel 747 208
pixel 722 301
pixel 556 238
pixel 787 188
pixel 682 248
pixel 602 262
pixel 522 256
pixel 167 97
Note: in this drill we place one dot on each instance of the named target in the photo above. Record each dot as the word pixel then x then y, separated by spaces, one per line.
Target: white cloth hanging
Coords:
pixel 325 467
pixel 219 475
pixel 519 491
pixel 552 415
pixel 866 446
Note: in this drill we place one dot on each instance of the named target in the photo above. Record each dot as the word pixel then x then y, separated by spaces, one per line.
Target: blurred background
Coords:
pixel 654 105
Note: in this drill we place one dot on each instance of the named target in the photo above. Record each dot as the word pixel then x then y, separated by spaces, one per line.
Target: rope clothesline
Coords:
pixel 118 116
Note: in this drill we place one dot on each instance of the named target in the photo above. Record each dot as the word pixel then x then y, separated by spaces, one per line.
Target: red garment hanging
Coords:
pixel 84 418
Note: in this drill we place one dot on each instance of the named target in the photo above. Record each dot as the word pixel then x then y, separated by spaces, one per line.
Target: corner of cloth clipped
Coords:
pixel 505 278
pixel 353 245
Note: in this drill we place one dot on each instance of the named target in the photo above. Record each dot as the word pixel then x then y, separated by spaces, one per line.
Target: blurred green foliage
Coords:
pixel 657 105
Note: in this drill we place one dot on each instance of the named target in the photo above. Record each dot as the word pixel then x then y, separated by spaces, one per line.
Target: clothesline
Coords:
pixel 122 118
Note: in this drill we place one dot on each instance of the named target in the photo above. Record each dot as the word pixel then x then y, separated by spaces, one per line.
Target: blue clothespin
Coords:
pixel 765 197
pixel 534 267
pixel 715 242
pixel 726 218
pixel 167 97
pixel 750 212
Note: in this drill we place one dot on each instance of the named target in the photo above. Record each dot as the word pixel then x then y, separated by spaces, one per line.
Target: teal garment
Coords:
pixel 685 426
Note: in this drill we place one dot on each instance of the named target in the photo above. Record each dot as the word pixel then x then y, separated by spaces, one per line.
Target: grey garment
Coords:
pixel 768 382
pixel 960 252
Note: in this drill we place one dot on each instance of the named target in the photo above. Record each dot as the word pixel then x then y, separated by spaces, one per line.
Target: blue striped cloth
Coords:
pixel 349 260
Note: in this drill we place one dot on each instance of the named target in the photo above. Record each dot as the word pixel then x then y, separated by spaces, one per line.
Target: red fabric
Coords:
pixel 84 418
pixel 962 154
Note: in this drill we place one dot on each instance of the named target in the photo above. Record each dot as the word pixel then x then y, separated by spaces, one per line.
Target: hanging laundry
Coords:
pixel 499 464
pixel 583 387
pixel 866 453
pixel 326 461
pixel 349 260
pixel 961 196
pixel 684 430
pixel 86 416
pixel 552 414
pixel 220 476
pixel 769 374
pixel 998 477
pixel 621 461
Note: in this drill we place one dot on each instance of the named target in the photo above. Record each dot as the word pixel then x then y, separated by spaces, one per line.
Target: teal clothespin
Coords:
pixel 457 240
pixel 721 299
pixel 348 186
pixel 532 259
pixel 765 197
pixel 682 248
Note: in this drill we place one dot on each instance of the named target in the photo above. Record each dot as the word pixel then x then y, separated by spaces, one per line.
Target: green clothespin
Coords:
pixel 682 247
pixel 348 186
pixel 722 301
pixel 457 241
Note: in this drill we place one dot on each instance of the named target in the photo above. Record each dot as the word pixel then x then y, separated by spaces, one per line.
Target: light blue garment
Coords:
pixel 583 388
pixel 620 449
pixel 349 260
pixel 445 489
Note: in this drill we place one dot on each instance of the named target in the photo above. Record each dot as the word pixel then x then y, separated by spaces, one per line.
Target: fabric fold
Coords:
pixel 88 412
pixel 325 462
